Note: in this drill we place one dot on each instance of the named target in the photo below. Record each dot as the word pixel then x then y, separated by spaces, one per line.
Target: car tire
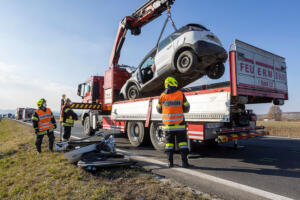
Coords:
pixel 88 130
pixel 215 71
pixel 133 92
pixel 157 136
pixel 186 61
pixel 137 134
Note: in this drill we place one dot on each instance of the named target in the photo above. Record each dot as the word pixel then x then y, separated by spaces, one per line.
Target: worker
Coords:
pixel 68 119
pixel 44 123
pixel 172 104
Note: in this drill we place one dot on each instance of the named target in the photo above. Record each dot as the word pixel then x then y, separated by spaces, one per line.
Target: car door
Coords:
pixel 163 58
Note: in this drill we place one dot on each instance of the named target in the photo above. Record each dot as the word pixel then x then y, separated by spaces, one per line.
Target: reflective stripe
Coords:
pixel 173 103
pixel 44 116
pixel 47 126
pixel 169 146
pixel 183 145
pixel 186 103
pixel 67 109
pixel 174 128
pixel 172 115
pixel 158 105
pixel 173 120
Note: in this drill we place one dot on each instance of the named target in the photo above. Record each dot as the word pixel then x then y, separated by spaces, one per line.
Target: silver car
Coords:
pixel 187 55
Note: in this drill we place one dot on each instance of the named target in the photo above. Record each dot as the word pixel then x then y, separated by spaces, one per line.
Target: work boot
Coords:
pixel 170 159
pixel 185 163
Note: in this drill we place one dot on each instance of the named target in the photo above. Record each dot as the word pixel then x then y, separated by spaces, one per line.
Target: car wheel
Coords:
pixel 133 92
pixel 87 127
pixel 186 61
pixel 157 136
pixel 136 134
pixel 216 71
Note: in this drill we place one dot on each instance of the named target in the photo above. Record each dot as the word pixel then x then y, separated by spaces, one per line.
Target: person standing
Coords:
pixel 172 105
pixel 44 123
pixel 68 119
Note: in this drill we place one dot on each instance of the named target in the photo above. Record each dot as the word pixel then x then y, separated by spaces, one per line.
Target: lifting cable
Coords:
pixel 169 16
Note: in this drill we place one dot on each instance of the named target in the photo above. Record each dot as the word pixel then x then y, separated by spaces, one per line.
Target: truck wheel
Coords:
pixel 133 92
pixel 215 71
pixel 157 136
pixel 136 134
pixel 186 61
pixel 88 130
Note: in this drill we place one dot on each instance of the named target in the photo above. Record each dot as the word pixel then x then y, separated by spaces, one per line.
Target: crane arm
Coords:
pixel 149 11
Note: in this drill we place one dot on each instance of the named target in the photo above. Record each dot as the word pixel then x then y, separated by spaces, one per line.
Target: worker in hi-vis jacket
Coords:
pixel 172 105
pixel 44 123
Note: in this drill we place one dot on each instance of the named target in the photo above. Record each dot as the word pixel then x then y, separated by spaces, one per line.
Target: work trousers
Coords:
pixel 181 140
pixel 67 132
pixel 39 140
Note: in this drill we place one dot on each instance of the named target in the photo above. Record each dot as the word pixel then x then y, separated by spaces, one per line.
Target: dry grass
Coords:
pixel 25 175
pixel 282 128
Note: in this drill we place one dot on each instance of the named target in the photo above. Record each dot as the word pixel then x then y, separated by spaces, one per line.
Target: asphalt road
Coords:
pixel 271 164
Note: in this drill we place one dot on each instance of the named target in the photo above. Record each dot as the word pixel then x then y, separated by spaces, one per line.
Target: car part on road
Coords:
pixel 91 154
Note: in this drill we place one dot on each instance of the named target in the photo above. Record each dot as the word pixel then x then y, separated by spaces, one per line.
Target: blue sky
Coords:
pixel 48 47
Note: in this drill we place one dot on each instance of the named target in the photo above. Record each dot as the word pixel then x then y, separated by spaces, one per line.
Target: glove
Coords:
pixel 55 126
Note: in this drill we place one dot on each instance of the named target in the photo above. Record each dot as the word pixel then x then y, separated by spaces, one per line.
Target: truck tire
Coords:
pixel 215 71
pixel 133 92
pixel 186 61
pixel 157 136
pixel 137 134
pixel 88 130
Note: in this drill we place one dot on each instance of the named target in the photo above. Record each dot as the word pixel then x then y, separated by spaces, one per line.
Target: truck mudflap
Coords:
pixel 234 134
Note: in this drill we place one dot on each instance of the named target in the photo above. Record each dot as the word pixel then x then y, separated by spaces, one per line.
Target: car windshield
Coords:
pixel 148 62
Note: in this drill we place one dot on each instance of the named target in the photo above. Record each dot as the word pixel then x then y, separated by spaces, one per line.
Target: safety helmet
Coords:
pixel 40 102
pixel 170 81
pixel 68 101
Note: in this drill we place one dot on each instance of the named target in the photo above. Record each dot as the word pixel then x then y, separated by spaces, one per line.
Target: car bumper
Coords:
pixel 210 51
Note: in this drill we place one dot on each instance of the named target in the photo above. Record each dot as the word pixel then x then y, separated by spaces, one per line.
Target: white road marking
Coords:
pixel 232 184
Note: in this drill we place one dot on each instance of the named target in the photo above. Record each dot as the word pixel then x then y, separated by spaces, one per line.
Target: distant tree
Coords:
pixel 274 113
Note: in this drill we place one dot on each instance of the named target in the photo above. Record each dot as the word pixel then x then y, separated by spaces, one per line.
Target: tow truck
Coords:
pixel 218 111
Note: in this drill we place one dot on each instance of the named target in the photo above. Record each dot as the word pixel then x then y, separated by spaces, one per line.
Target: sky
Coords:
pixel 48 47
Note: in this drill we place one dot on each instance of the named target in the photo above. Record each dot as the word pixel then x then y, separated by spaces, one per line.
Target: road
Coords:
pixel 270 164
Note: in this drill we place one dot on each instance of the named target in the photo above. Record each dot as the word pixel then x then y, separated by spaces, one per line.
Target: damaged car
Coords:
pixel 187 54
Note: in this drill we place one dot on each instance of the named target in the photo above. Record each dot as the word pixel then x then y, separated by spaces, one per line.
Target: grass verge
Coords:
pixel 25 175
pixel 282 128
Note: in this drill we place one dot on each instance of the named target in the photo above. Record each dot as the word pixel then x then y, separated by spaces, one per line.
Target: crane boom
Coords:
pixel 142 16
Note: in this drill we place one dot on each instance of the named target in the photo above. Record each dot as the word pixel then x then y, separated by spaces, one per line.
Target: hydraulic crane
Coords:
pixel 115 76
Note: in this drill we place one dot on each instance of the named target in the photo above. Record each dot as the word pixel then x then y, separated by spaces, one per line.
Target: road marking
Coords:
pixel 232 184
pixel 280 137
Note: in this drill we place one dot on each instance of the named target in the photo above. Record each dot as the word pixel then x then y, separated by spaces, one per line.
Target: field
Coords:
pixel 26 175
pixel 282 128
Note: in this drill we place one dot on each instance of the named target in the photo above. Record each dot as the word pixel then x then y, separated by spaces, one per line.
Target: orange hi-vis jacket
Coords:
pixel 172 108
pixel 44 122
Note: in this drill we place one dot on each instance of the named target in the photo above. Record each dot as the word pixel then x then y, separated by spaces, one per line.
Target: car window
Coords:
pixel 148 62
pixel 164 43
pixel 175 36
